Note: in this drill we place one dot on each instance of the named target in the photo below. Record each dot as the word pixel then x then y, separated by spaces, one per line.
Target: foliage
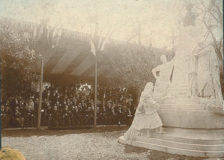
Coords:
pixel 213 19
pixel 10 154
pixel 134 64
pixel 16 57
pixel 15 53
pixel 21 47
pixel 210 13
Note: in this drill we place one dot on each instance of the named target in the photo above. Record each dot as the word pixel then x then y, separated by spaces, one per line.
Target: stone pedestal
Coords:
pixel 194 119
pixel 189 113
pixel 190 129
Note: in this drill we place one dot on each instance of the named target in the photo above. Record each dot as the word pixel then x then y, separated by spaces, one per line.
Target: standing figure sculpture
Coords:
pixel 208 69
pixel 163 79
pixel 146 116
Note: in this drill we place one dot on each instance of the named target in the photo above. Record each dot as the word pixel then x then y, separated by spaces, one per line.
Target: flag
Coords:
pixel 34 32
pixel 93 49
pixel 102 46
pixel 105 40
pixel 40 32
pixel 48 32
pixel 100 42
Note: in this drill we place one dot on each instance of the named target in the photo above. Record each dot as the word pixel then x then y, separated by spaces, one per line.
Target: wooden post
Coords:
pixel 1 111
pixel 95 109
pixel 40 95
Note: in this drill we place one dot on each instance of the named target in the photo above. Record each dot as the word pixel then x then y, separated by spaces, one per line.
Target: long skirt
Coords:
pixel 146 121
pixel 143 121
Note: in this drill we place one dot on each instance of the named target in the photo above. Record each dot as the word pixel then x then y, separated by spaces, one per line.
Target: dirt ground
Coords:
pixel 80 144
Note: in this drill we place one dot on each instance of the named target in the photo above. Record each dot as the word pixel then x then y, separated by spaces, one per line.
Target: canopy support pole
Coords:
pixel 95 108
pixel 40 95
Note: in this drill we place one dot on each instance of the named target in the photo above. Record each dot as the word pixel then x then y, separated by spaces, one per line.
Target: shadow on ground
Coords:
pixel 157 155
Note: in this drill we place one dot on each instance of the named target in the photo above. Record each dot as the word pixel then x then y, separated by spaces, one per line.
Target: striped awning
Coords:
pixel 69 52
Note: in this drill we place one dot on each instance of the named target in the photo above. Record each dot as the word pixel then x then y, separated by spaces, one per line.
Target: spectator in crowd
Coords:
pixel 19 117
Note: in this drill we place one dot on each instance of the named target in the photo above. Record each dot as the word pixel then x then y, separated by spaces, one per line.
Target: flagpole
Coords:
pixel 95 53
pixel 40 95
pixel 95 109
pixel 95 48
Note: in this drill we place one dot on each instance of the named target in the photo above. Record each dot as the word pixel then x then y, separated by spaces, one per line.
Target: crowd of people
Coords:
pixel 69 107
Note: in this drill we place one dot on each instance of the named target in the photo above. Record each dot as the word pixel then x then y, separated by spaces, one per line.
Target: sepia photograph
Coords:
pixel 111 80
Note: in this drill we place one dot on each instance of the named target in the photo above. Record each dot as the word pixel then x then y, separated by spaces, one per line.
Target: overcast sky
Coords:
pixel 158 18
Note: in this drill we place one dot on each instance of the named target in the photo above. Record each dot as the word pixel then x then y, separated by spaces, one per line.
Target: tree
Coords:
pixel 16 57
pixel 134 64
pixel 210 13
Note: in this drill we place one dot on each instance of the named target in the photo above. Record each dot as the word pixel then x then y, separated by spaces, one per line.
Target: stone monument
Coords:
pixel 189 93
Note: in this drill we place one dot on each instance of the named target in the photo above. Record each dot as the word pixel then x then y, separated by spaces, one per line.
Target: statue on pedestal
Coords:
pixel 188 93
pixel 146 116
pixel 163 79
pixel 208 72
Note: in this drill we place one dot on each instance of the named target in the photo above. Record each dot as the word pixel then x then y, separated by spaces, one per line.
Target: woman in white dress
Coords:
pixel 146 116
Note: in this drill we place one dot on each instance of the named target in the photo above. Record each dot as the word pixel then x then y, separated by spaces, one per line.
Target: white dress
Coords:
pixel 147 119
pixel 146 116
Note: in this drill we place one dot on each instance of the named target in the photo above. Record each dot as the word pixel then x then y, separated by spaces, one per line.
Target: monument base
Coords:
pixel 189 142
pixel 191 118
pixel 183 112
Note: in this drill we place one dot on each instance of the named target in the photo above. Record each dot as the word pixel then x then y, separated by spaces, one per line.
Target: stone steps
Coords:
pixel 178 87
pixel 179 91
pixel 182 107
pixel 179 139
pixel 173 150
pixel 188 142
pixel 183 145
